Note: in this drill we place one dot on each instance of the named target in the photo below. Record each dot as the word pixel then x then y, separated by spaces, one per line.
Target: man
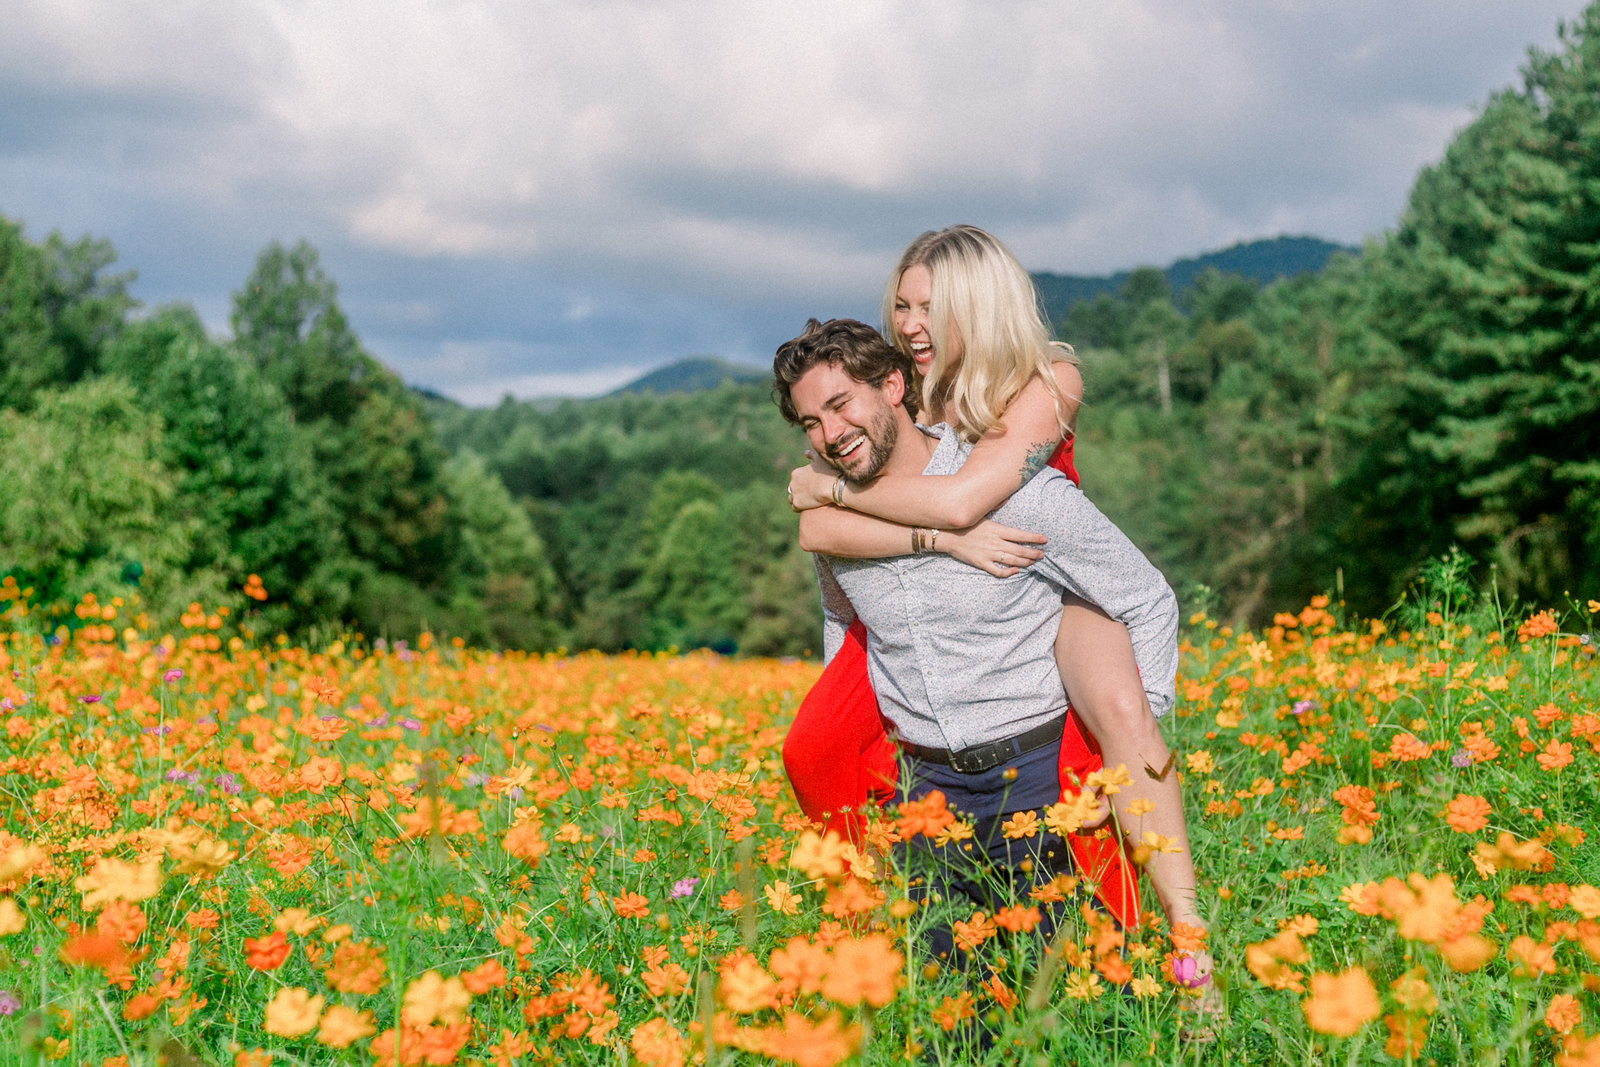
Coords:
pixel 962 662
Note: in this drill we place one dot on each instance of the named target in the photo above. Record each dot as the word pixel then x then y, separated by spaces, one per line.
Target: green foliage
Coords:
pixel 87 498
pixel 1488 287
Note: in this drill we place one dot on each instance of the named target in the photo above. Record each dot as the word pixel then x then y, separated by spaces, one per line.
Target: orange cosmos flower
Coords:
pixel 1017 919
pixel 658 1044
pixel 292 1012
pixel 266 953
pixel 140 1006
pixel 1556 755
pixel 800 966
pixel 485 976
pixel 1541 624
pixel 852 897
pixel 356 967
pixel 1533 958
pixel 1407 1035
pixel 744 986
pixel 121 920
pixel 863 970
pixel 971 934
pixel 324 689
pixel 821 1044
pixel 630 905
pixel 1269 961
pixel 927 816
pixel 1340 1004
pixel 1579 1050
pixel 1563 1013
pixel 1467 814
pixel 665 979
pixel 819 857
pixel 1413 993
pixel 525 840
pixel 952 1010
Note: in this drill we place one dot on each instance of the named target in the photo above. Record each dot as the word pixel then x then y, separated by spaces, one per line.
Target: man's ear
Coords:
pixel 894 388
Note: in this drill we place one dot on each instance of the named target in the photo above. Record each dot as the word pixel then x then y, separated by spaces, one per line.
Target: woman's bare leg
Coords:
pixel 1097 666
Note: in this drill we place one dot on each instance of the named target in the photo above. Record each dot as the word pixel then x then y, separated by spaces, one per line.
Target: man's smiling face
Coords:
pixel 851 424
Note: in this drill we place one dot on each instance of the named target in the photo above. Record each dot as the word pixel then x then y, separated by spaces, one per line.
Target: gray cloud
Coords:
pixel 529 195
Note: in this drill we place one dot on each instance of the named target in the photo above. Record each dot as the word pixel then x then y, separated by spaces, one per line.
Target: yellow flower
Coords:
pixel 342 1026
pixel 433 998
pixel 12 921
pixel 1145 986
pixel 1084 986
pixel 1022 824
pixel 112 880
pixel 782 898
pixel 293 1012
pixel 1109 780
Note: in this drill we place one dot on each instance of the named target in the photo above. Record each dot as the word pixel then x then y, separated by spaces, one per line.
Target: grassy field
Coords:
pixel 215 853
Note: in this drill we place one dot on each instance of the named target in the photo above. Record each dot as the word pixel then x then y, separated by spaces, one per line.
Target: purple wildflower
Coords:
pixel 160 731
pixel 1460 760
pixel 228 784
pixel 683 887
pixel 411 724
pixel 1303 706
pixel 9 1002
pixel 186 777
pixel 92 698
pixel 172 675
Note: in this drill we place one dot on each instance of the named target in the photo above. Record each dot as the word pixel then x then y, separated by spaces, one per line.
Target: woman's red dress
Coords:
pixel 839 757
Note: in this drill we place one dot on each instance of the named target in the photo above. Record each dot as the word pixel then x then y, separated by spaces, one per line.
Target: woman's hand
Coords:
pixel 811 486
pixel 1000 550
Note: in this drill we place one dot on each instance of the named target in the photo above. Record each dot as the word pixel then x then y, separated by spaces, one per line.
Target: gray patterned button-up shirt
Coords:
pixel 958 657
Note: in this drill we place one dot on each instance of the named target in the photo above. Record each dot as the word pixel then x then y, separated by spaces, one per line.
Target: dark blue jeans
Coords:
pixel 990 871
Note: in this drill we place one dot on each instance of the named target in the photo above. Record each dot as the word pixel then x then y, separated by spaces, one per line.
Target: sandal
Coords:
pixel 1203 1011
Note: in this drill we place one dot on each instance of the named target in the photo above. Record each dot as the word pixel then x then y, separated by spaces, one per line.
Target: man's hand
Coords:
pixel 811 486
pixel 999 550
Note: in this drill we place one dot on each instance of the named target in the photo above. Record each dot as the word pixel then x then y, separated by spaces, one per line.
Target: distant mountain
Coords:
pixel 689 375
pixel 1265 261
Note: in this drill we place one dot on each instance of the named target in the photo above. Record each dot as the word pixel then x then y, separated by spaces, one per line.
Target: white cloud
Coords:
pixel 746 155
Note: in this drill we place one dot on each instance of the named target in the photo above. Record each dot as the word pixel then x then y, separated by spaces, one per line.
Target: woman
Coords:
pixel 965 311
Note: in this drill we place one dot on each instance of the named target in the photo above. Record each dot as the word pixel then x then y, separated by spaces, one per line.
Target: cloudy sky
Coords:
pixel 549 197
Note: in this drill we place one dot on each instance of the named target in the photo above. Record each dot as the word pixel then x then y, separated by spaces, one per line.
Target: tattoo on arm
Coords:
pixel 1038 456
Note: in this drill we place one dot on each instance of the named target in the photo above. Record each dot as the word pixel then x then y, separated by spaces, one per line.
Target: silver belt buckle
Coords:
pixel 979 758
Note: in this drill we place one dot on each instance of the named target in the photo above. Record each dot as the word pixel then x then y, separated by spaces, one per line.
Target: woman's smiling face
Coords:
pixel 913 298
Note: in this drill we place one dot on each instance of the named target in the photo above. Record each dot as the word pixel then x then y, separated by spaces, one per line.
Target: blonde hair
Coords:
pixel 983 300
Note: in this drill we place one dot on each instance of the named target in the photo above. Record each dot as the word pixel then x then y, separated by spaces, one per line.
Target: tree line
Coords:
pixel 1325 433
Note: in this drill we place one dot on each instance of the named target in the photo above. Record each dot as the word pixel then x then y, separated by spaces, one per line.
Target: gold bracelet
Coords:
pixel 916 540
pixel 933 540
pixel 838 492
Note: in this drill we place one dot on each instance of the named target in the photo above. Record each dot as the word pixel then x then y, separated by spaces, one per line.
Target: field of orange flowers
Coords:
pixel 213 852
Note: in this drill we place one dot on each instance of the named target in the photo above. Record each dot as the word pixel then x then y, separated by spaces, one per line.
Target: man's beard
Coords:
pixel 881 436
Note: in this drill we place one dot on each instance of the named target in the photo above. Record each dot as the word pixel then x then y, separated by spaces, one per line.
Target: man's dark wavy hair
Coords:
pixel 853 346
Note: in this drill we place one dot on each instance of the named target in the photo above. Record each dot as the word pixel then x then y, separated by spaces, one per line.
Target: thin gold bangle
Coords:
pixel 838 492
pixel 933 540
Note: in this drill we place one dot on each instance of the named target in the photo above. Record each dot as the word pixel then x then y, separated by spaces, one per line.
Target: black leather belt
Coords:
pixel 980 758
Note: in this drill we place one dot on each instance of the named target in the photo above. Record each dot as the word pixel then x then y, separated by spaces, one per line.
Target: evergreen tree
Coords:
pixel 1489 287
